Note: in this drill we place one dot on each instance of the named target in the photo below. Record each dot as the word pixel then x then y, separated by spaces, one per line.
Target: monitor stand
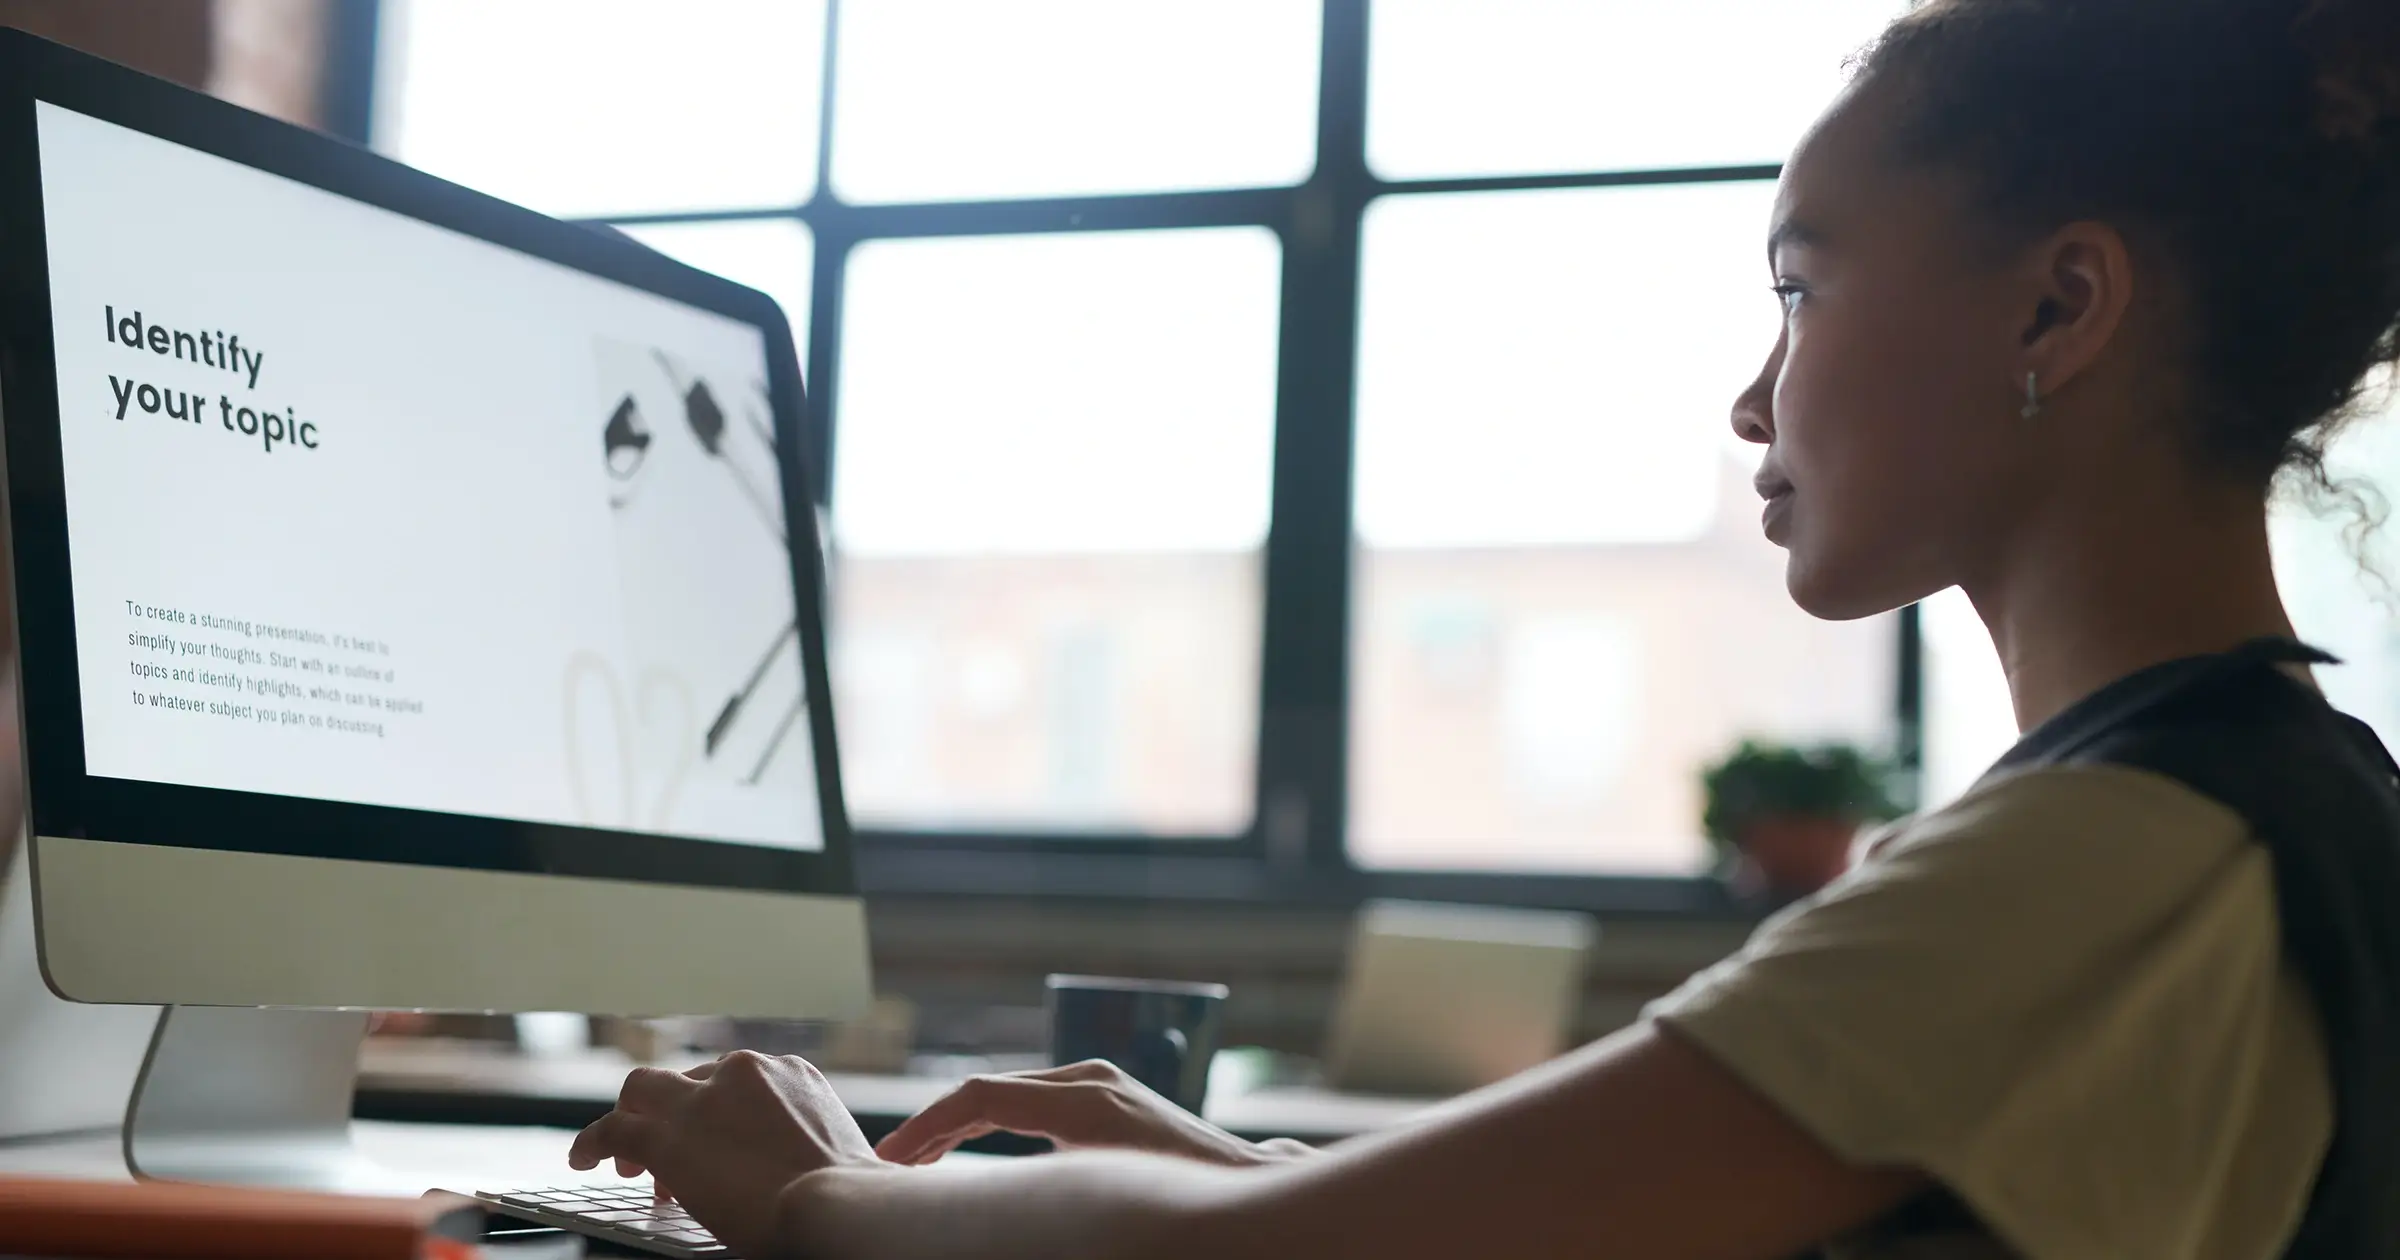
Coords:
pixel 65 1068
pixel 258 1097
pixel 249 1096
pixel 177 1092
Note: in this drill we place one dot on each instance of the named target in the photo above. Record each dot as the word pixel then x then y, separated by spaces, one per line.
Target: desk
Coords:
pixel 448 1084
pixel 398 1159
pixel 401 1159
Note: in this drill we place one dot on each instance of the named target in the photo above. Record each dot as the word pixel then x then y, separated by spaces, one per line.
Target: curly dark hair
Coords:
pixel 2252 145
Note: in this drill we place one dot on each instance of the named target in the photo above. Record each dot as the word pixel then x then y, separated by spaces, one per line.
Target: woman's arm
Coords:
pixel 1091 1105
pixel 1638 1146
pixel 1060 1207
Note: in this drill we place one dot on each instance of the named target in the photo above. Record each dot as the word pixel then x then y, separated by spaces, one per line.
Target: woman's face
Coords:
pixel 1887 404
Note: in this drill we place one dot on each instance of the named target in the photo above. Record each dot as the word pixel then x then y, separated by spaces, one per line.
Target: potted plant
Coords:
pixel 1783 817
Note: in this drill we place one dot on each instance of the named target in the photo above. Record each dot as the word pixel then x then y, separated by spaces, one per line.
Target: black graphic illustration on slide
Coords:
pixel 712 683
pixel 707 422
pixel 624 442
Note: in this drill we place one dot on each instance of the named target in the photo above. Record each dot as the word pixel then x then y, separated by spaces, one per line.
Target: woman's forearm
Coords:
pixel 1095 1206
pixel 1624 1149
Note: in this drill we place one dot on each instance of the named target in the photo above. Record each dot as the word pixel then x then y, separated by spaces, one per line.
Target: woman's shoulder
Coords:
pixel 2064 821
pixel 2046 858
pixel 2035 882
pixel 2030 993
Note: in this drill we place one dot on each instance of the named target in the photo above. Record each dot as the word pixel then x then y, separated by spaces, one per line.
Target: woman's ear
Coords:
pixel 2078 288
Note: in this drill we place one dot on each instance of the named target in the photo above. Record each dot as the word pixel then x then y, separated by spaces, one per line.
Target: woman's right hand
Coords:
pixel 1081 1106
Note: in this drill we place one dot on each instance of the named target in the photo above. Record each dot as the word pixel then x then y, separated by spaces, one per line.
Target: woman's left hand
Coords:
pixel 726 1139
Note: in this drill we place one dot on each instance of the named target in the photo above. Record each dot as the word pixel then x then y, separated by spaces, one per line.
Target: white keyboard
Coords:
pixel 627 1215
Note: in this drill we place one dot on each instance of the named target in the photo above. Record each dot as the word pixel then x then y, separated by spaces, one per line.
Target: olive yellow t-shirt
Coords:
pixel 2065 999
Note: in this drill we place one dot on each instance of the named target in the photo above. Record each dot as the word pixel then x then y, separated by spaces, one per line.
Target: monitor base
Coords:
pixel 249 1096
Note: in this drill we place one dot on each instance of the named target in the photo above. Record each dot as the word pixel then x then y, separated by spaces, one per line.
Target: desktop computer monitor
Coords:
pixel 418 600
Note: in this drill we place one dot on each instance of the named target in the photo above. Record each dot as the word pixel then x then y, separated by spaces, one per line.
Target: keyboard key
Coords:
pixel 632 1214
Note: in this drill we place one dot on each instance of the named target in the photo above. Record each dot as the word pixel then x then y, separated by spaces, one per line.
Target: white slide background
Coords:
pixel 451 535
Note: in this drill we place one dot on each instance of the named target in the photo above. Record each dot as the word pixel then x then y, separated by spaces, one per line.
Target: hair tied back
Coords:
pixel 2355 46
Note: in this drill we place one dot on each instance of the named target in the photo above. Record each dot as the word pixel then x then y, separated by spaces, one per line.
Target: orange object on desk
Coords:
pixel 41 1216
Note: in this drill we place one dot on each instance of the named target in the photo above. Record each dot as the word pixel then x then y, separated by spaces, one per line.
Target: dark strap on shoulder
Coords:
pixel 2322 793
pixel 2122 704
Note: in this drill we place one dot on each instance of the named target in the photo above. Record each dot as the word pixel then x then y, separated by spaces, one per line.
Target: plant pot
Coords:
pixel 1793 855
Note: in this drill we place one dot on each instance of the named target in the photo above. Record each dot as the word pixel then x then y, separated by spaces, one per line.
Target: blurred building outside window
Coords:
pixel 1053 451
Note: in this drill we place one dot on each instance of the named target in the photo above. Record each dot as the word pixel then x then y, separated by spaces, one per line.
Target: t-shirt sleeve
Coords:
pixel 2056 997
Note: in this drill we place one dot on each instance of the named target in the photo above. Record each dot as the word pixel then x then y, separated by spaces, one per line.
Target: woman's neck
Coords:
pixel 2086 597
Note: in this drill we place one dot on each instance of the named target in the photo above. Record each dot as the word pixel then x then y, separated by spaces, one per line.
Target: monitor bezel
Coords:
pixel 62 799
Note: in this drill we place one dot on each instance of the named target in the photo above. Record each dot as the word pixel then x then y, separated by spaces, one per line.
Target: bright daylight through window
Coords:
pixel 1053 452
pixel 939 100
pixel 1536 87
pixel 1563 603
pixel 1058 246
pixel 1049 502
pixel 584 108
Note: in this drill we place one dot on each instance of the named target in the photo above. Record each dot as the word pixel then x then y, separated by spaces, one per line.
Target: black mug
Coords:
pixel 1161 1032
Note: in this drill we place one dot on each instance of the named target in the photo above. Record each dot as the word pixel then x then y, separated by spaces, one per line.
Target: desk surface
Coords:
pixel 406 1159
pixel 445 1083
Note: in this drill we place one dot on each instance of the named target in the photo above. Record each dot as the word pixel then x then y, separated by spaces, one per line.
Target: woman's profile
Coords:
pixel 2069 288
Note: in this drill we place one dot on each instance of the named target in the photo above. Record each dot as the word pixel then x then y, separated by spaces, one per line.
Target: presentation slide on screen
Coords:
pixel 361 509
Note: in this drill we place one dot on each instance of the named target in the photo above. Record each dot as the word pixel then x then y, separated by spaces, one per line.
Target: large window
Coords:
pixel 584 108
pixel 1563 602
pixel 1534 87
pixel 964 100
pixel 1050 504
pixel 1286 433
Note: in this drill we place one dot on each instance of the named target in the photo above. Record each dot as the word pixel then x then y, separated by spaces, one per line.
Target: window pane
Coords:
pixel 1969 719
pixel 1051 473
pixel 1594 340
pixel 940 100
pixel 772 256
pixel 598 107
pixel 1501 87
pixel 1564 606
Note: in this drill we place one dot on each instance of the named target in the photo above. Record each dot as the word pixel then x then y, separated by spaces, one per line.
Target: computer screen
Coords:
pixel 364 510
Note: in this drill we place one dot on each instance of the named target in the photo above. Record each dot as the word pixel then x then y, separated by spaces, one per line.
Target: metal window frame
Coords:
pixel 1296 848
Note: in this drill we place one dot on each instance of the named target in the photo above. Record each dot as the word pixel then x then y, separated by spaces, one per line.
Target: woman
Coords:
pixel 2067 284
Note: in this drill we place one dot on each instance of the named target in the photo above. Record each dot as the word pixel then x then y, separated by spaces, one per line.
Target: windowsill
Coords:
pixel 982 873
